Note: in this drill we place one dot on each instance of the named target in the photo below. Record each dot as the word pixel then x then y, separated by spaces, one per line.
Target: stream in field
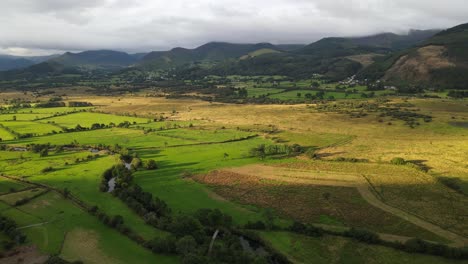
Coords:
pixel 111 185
pixel 111 182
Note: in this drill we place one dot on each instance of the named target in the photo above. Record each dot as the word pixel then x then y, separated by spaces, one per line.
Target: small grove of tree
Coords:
pixel 190 234
pixel 143 203
pixel 47 169
pixel 242 92
pixel 39 148
pixel 262 151
pixel 25 200
pixel 44 152
pixel 9 228
pixel 136 163
pixel 151 165
pixel 79 104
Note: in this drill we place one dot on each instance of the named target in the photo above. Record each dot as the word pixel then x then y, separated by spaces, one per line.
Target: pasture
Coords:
pixel 87 119
pixel 29 127
pixel 202 150
pixel 304 249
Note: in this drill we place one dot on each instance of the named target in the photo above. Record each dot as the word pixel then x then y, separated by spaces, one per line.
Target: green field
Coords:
pixel 204 138
pixel 187 195
pixel 7 186
pixel 256 92
pixel 12 198
pixel 23 116
pixel 6 135
pixel 61 218
pixel 86 119
pixel 81 179
pixel 330 249
pixel 28 127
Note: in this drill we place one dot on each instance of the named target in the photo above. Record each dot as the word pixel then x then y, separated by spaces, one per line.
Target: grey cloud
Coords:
pixel 139 25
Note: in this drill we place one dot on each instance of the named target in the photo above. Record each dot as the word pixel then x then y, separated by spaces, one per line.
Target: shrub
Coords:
pixel 151 165
pixel 259 225
pixel 136 163
pixel 363 235
pixel 47 169
pixel 186 245
pixel 398 161
pixel 310 153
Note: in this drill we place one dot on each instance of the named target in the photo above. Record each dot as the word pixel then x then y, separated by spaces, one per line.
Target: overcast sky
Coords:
pixel 38 27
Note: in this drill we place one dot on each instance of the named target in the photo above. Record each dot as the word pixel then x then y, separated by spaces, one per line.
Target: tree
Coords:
pixel 136 163
pixel 299 94
pixel 151 165
pixel 116 220
pixel 44 152
pixel 186 245
pixel 163 245
pixel 66 192
pixel 184 225
pixel 259 152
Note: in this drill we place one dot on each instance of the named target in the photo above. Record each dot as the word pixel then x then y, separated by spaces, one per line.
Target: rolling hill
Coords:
pixel 8 62
pixel 210 52
pixel 96 59
pixel 381 44
pixel 439 62
pixel 73 63
pixel 336 58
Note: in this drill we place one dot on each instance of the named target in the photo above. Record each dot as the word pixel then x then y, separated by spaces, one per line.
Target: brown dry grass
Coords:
pixel 438 145
pixel 420 65
pixel 364 59
pixel 308 203
pixel 81 244
pixel 405 188
pixel 24 255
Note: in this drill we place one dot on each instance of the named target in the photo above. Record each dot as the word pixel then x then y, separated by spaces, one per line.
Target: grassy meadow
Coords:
pixel 198 141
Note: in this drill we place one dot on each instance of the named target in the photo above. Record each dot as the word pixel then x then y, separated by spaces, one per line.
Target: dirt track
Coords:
pixel 345 180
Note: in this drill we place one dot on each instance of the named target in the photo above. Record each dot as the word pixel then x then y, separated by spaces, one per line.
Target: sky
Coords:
pixel 41 27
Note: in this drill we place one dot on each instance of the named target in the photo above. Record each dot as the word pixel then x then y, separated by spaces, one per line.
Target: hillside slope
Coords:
pixel 210 52
pixel 8 62
pixel 106 59
pixel 439 62
pixel 381 43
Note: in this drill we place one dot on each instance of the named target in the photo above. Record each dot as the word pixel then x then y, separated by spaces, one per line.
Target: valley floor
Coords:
pixel 345 175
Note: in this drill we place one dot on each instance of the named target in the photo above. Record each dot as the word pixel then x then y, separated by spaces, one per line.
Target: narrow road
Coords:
pixel 346 180
pixel 369 196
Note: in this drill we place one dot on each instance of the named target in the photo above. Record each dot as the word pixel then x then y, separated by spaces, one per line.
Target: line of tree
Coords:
pixel 414 245
pixel 190 235
pixel 262 151
pixel 25 200
pixel 10 229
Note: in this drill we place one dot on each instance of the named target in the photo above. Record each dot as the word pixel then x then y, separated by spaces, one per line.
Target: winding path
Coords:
pixel 346 180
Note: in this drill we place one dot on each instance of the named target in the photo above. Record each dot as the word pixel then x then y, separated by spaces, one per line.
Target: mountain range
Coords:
pixel 8 62
pixel 440 61
pixel 421 56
